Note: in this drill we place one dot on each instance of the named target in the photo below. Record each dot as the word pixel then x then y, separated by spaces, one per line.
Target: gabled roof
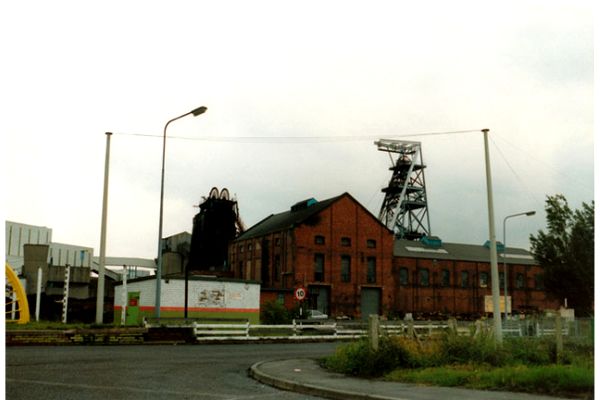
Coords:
pixel 460 252
pixel 290 219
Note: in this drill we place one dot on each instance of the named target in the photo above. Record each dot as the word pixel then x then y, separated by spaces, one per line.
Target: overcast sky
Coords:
pixel 73 70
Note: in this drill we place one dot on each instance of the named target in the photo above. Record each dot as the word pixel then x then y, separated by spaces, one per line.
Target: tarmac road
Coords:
pixel 212 372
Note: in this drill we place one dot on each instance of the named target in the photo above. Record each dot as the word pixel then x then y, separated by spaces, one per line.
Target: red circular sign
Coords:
pixel 300 293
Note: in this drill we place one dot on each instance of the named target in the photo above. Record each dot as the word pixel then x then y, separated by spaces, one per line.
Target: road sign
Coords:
pixel 300 293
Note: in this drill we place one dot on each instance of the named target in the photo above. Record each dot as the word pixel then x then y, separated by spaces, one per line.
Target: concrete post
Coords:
pixel 374 332
pixel 102 260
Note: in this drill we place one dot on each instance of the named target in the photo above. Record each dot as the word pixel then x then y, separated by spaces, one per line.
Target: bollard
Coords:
pixel 374 332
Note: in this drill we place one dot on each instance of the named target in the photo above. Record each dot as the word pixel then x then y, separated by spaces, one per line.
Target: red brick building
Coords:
pixel 450 278
pixel 351 265
pixel 335 248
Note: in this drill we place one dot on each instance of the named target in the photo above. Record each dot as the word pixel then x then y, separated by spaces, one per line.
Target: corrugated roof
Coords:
pixel 460 252
pixel 288 219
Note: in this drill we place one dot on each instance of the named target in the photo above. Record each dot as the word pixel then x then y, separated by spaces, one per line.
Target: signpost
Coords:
pixel 300 295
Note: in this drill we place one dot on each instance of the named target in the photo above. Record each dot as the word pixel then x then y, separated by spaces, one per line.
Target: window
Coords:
pixel 241 248
pixel 404 276
pixel 371 270
pixel 250 247
pixel 346 264
pixel 424 277
pixel 464 279
pixel 346 241
pixel 539 281
pixel 319 239
pixel 277 268
pixel 280 298
pixel 483 279
pixel 501 277
pixel 319 267
pixel 277 241
pixel 445 278
pixel 371 243
pixel 520 281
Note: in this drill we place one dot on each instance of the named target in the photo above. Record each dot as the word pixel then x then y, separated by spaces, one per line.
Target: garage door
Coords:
pixel 369 301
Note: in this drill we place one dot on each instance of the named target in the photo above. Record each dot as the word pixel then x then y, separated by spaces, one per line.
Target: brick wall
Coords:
pixel 458 297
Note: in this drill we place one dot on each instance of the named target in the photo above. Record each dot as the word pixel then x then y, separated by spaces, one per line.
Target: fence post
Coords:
pixel 478 327
pixel 294 327
pixel 411 329
pixel 374 332
pixel 453 326
pixel 335 332
pixel 559 338
pixel 247 328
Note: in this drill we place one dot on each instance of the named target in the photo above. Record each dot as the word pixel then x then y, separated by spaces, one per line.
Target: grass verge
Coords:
pixel 556 380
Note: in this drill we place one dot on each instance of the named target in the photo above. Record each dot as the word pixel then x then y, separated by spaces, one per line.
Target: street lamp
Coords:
pixel 195 112
pixel 529 214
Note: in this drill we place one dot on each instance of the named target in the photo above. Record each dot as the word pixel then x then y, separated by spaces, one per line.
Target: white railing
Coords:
pixel 299 330
pixel 340 330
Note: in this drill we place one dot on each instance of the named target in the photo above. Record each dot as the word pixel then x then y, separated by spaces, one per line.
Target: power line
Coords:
pixel 297 139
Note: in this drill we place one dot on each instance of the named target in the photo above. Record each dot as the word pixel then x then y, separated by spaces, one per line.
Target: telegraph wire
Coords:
pixel 517 176
pixel 298 139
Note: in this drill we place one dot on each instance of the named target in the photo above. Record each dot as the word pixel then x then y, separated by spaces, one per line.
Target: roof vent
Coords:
pixel 499 246
pixel 432 241
pixel 301 205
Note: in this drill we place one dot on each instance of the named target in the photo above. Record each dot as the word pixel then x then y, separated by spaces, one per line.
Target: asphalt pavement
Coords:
pixel 306 376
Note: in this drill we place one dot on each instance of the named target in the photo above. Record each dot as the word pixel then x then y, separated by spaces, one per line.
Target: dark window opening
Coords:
pixel 319 239
pixel 404 276
pixel 319 267
pixel 520 281
pixel 483 279
pixel 346 268
pixel 445 278
pixel 371 270
pixel 424 277
pixel 371 243
pixel 464 279
pixel 346 241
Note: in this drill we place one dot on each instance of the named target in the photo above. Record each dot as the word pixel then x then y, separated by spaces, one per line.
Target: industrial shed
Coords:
pixel 208 298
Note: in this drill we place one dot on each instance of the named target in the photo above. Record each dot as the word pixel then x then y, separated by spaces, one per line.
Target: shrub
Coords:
pixel 274 313
pixel 478 349
pixel 359 359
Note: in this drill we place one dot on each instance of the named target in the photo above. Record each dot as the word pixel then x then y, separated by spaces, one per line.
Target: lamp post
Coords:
pixel 529 214
pixel 195 112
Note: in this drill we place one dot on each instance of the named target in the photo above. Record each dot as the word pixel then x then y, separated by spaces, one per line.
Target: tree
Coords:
pixel 566 252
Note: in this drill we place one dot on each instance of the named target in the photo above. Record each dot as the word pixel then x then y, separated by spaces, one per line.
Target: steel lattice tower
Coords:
pixel 404 209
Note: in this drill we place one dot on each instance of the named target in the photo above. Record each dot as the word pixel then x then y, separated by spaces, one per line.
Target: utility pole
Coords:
pixel 493 249
pixel 102 261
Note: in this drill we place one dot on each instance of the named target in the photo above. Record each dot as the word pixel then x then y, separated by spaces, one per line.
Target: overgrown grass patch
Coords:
pixel 550 379
pixel 519 364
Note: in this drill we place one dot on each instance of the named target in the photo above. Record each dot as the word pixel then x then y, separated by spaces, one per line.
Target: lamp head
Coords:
pixel 530 213
pixel 198 111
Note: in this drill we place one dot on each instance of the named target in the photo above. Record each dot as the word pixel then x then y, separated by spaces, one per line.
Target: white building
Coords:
pixel 59 254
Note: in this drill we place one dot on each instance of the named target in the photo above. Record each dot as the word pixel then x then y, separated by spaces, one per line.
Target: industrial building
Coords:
pixel 335 248
pixel 352 265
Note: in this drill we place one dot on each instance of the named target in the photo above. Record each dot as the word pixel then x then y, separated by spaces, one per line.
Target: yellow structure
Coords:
pixel 15 292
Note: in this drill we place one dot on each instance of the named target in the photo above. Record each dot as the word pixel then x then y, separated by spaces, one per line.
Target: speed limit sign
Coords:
pixel 300 293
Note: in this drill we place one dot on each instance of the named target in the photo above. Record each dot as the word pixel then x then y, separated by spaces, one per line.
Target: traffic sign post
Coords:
pixel 300 295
